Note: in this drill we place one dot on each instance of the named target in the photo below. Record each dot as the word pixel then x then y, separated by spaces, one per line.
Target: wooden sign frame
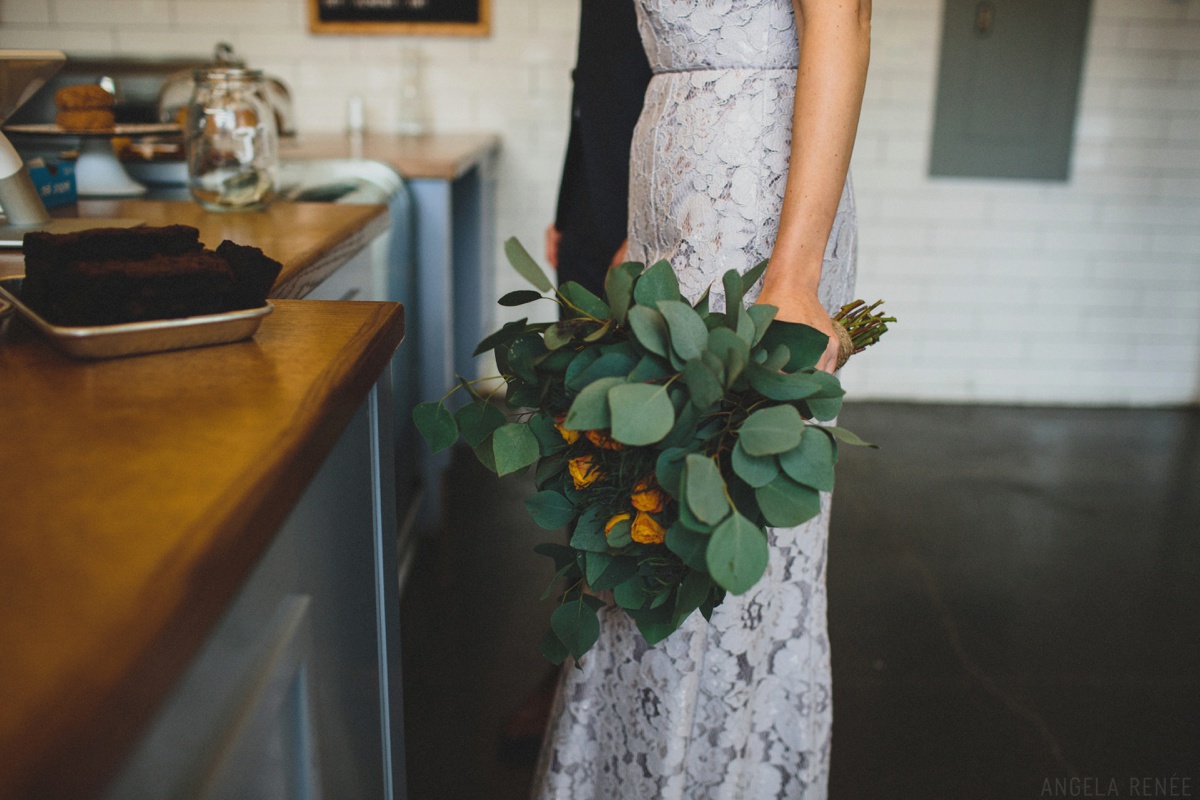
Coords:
pixel 398 17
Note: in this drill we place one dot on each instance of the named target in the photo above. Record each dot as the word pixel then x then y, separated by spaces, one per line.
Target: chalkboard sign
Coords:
pixel 430 17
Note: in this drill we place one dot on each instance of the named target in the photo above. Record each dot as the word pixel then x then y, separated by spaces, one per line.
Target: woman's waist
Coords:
pixel 671 69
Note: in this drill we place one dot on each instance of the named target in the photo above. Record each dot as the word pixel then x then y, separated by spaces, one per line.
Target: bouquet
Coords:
pixel 667 437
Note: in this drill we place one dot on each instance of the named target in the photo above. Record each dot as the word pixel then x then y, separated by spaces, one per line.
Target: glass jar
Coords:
pixel 232 142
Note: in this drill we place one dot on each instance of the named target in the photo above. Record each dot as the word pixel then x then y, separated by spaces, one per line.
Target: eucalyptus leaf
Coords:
pixel 777 358
pixel 600 332
pixel 525 266
pixel 550 510
pixel 771 430
pixel 520 297
pixel 732 350
pixel 753 274
pixel 686 421
pixel 737 554
pixel 656 283
pixel 583 359
pixel 732 283
pixel 590 409
pixel 552 648
pixel 477 420
pixel 619 570
pixel 619 535
pixel 701 305
pixel 691 546
pixel 632 594
pixel 549 470
pixel 508 332
pixel 583 302
pixel 618 288
pixel 436 424
pixel 805 344
pixel 754 470
pixel 655 630
pixel 812 462
pixel 550 441
pixel 827 403
pixel 846 436
pixel 762 314
pixel 596 564
pixel 521 354
pixel 688 333
pixel 650 329
pixel 611 365
pixel 522 395
pixel 483 452
pixel 705 387
pixel 641 413
pixel 705 489
pixel 576 626
pixel 649 368
pixel 668 469
pixel 588 533
pixel 780 385
pixel 558 335
pixel 554 361
pixel 515 447
pixel 693 590
pixel 786 503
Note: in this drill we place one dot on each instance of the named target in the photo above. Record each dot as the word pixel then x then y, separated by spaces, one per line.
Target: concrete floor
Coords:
pixel 1014 611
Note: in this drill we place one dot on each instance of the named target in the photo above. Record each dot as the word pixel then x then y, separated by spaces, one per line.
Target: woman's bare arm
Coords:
pixel 835 45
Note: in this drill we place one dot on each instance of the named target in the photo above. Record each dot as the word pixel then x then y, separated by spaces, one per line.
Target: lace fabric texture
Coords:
pixel 739 707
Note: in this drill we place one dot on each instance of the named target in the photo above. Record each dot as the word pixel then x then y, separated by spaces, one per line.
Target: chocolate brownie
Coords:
pixel 106 276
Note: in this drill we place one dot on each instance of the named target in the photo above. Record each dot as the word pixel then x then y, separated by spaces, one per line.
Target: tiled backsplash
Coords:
pixel 1008 291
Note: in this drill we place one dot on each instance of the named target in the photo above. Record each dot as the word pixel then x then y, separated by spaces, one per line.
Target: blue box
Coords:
pixel 54 181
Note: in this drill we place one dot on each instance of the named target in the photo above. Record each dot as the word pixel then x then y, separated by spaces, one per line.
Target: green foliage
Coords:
pixel 641 413
pixel 435 424
pixel 697 417
pixel 737 554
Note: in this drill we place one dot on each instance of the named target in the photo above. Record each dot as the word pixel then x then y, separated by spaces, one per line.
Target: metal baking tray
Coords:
pixel 135 338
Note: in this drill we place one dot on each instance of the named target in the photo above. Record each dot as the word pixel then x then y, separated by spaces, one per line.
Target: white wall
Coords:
pixel 1084 292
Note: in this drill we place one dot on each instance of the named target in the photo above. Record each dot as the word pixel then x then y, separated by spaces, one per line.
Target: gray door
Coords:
pixel 1008 88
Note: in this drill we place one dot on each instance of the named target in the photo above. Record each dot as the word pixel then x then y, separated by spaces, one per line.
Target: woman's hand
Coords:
pixel 802 305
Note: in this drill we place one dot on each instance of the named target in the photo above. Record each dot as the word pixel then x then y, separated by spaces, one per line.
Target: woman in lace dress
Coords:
pixel 741 153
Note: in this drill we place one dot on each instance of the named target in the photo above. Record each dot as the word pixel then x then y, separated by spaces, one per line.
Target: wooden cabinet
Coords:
pixel 199 568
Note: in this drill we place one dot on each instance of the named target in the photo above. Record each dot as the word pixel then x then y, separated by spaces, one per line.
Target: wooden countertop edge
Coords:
pixel 85 757
pixel 310 269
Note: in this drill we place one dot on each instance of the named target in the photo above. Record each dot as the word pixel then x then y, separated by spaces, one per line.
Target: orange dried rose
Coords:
pixel 608 526
pixel 602 440
pixel 646 530
pixel 647 496
pixel 569 436
pixel 583 471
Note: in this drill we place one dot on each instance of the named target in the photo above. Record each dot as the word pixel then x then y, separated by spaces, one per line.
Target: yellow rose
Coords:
pixel 583 471
pixel 646 530
pixel 647 496
pixel 569 436
pixel 608 526
pixel 602 440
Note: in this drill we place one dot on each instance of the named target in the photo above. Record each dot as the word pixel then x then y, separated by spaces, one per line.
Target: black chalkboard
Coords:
pixel 440 17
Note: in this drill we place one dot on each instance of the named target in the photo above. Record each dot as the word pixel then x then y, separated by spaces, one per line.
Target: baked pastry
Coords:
pixel 107 276
pixel 84 107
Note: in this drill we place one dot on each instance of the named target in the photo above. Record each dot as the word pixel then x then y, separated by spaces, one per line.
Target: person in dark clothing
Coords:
pixel 611 74
pixel 588 235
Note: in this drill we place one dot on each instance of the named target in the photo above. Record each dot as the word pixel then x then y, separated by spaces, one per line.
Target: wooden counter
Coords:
pixel 442 156
pixel 136 494
pixel 311 240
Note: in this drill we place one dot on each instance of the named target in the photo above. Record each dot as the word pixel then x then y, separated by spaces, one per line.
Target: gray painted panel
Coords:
pixel 1008 88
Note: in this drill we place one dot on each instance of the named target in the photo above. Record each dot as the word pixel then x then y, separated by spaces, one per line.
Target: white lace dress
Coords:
pixel 739 708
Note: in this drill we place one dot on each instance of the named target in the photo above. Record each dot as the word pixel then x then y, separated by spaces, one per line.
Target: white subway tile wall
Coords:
pixel 1081 292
